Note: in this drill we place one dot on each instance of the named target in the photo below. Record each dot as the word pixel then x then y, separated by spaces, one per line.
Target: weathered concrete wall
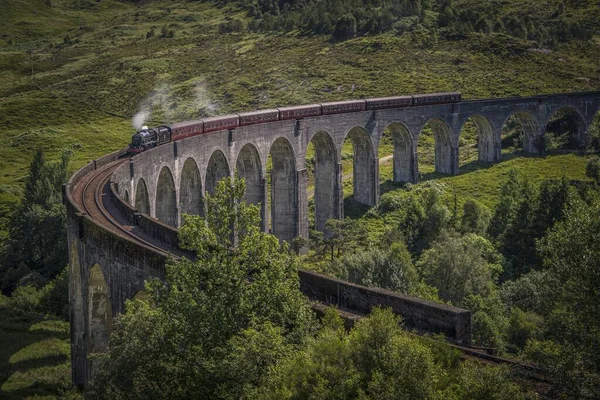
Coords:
pixel 418 314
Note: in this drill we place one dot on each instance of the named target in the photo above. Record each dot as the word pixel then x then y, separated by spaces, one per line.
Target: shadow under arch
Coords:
pixel 284 189
pixel 190 189
pixel 166 198
pixel 142 201
pixel 217 170
pixel 142 295
pixel 248 167
pixel 403 156
pixel 100 318
pixel 326 174
pixel 530 128
pixel 363 167
pixel 488 143
pixel 442 135
pixel 565 128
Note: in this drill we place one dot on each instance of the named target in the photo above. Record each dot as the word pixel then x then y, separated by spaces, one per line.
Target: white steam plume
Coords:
pixel 202 99
pixel 139 118
pixel 166 103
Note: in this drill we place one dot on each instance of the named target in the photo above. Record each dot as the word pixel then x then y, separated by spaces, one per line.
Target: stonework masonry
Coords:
pixel 152 190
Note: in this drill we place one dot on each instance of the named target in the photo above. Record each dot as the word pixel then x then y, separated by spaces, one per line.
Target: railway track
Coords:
pixel 91 194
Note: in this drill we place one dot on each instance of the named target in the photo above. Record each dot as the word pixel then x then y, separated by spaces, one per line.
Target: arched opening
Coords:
pixel 142 202
pixel 435 148
pixel 565 130
pixel 284 187
pixel 99 311
pixel 477 141
pixel 190 189
pixel 520 132
pixel 322 165
pixel 126 198
pixel 166 201
pixel 397 140
pixel 362 168
pixel 217 169
pixel 248 168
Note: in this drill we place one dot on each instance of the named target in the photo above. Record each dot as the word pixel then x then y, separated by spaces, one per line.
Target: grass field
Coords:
pixel 34 357
pixel 73 75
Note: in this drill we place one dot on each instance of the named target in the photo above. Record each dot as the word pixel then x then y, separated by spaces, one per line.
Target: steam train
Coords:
pixel 148 138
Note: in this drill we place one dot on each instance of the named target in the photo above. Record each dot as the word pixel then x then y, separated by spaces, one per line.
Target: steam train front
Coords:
pixel 148 138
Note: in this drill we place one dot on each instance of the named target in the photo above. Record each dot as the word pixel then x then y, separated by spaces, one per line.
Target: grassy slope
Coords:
pixel 34 357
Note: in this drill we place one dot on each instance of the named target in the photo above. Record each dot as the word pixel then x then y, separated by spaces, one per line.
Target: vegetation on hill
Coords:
pixel 73 73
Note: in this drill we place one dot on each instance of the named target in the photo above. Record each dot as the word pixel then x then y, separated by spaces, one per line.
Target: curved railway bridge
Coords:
pixel 123 212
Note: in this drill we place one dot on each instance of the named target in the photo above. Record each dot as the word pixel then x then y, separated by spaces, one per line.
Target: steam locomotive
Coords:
pixel 147 138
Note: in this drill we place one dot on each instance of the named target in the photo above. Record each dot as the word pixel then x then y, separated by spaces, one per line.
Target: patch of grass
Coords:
pixel 77 71
pixel 34 357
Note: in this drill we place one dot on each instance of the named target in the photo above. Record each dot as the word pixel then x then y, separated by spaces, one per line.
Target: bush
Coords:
pixel 522 327
pixel 345 28
pixel 592 169
pixel 475 218
pixel 388 269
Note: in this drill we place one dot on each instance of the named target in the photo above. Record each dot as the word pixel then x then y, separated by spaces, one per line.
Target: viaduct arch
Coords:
pixel 149 192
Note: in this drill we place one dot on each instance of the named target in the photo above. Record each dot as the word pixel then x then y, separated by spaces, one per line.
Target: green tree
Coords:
pixel 572 256
pixel 36 249
pixel 460 266
pixel 342 236
pixel 388 269
pixel 377 360
pixel 475 217
pixel 592 169
pixel 219 323
pixel 345 27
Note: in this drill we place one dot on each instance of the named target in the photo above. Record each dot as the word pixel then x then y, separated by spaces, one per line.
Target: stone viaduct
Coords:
pixel 151 191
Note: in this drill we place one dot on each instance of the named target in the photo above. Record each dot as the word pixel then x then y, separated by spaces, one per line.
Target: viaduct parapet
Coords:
pixel 123 212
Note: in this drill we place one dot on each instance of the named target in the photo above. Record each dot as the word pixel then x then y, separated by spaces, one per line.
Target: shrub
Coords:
pixel 523 326
pixel 345 27
pixel 592 169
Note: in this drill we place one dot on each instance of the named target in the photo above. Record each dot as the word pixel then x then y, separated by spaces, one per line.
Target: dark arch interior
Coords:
pixel 99 311
pixel 397 140
pixel 565 130
pixel 435 148
pixel 284 187
pixel 478 141
pixel 166 200
pixel 248 168
pixel 142 202
pixel 126 196
pixel 190 189
pixel 519 131
pixel 363 166
pixel 322 163
pixel 217 169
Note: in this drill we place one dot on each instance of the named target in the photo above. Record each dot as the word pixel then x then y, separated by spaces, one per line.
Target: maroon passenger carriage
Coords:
pixel 148 138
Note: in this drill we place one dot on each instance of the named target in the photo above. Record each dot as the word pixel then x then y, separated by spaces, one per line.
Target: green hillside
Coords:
pixel 73 73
